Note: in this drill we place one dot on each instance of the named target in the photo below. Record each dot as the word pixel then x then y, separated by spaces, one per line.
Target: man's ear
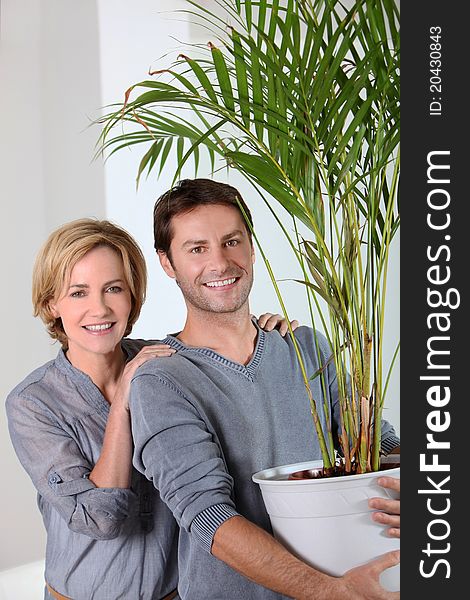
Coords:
pixel 253 255
pixel 166 264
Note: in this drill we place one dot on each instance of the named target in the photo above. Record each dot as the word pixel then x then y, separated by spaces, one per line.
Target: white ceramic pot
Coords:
pixel 327 522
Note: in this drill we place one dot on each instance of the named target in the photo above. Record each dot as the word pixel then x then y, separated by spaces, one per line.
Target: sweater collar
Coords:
pixel 248 369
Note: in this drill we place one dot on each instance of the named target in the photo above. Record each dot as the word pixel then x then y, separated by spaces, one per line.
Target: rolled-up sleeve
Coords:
pixel 59 471
pixel 208 521
pixel 175 449
pixel 389 440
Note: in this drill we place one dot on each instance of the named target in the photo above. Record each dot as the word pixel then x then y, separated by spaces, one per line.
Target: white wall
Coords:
pixel 60 61
pixel 49 70
pixel 131 42
pixel 23 227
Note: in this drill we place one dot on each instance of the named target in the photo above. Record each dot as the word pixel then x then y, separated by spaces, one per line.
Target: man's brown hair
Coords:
pixel 187 195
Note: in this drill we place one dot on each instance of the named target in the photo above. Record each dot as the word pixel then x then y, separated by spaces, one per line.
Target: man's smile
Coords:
pixel 221 283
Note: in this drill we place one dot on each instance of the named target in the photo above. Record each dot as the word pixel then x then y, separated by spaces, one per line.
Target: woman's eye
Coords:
pixel 114 289
pixel 77 294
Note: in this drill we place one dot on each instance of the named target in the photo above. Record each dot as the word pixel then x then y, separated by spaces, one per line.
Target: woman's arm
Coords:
pixel 52 451
pixel 114 466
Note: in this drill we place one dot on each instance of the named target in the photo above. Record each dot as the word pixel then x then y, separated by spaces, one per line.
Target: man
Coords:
pixel 229 403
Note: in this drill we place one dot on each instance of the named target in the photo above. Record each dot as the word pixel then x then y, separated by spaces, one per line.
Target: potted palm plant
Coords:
pixel 302 98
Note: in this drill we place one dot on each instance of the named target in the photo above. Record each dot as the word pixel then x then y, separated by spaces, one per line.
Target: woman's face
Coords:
pixel 94 305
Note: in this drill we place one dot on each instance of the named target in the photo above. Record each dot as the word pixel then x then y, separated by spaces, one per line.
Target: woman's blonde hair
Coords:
pixel 64 248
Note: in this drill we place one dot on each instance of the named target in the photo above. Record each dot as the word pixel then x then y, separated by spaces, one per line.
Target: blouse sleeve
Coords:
pixel 59 471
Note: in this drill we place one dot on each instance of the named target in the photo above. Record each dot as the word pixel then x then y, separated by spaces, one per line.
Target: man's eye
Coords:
pixel 197 250
pixel 232 243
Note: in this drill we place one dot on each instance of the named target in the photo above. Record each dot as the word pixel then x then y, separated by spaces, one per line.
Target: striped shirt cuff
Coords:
pixel 389 444
pixel 208 521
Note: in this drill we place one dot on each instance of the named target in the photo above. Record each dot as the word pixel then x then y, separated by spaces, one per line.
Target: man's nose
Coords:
pixel 218 260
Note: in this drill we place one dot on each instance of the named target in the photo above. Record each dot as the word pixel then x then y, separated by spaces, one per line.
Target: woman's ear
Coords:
pixel 52 307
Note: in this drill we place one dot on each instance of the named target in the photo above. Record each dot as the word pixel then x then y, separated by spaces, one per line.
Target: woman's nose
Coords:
pixel 98 305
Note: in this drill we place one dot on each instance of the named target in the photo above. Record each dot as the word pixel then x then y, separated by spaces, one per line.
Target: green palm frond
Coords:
pixel 302 98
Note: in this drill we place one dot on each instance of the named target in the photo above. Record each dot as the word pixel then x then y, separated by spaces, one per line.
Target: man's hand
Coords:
pixel 389 509
pixel 258 556
pixel 362 583
pixel 268 322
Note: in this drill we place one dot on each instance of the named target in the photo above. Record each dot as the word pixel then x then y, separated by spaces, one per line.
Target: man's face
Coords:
pixel 211 258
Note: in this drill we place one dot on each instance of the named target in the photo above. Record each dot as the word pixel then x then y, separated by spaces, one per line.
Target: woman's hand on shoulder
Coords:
pixel 146 353
pixel 270 321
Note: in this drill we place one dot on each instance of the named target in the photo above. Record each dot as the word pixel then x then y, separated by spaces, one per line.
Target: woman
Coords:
pixel 109 535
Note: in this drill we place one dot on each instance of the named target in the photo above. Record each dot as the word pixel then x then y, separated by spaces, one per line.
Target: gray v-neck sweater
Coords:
pixel 203 424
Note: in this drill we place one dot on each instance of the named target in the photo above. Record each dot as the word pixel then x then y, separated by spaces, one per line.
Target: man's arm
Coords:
pixel 174 449
pixel 254 553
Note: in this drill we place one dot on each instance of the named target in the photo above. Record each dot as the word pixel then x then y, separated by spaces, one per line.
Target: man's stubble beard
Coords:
pixel 202 303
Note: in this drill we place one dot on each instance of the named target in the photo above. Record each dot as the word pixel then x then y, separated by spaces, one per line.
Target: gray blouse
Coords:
pixel 102 543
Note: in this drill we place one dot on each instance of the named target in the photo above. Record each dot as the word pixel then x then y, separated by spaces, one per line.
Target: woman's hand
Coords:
pixel 146 353
pixel 389 509
pixel 269 321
